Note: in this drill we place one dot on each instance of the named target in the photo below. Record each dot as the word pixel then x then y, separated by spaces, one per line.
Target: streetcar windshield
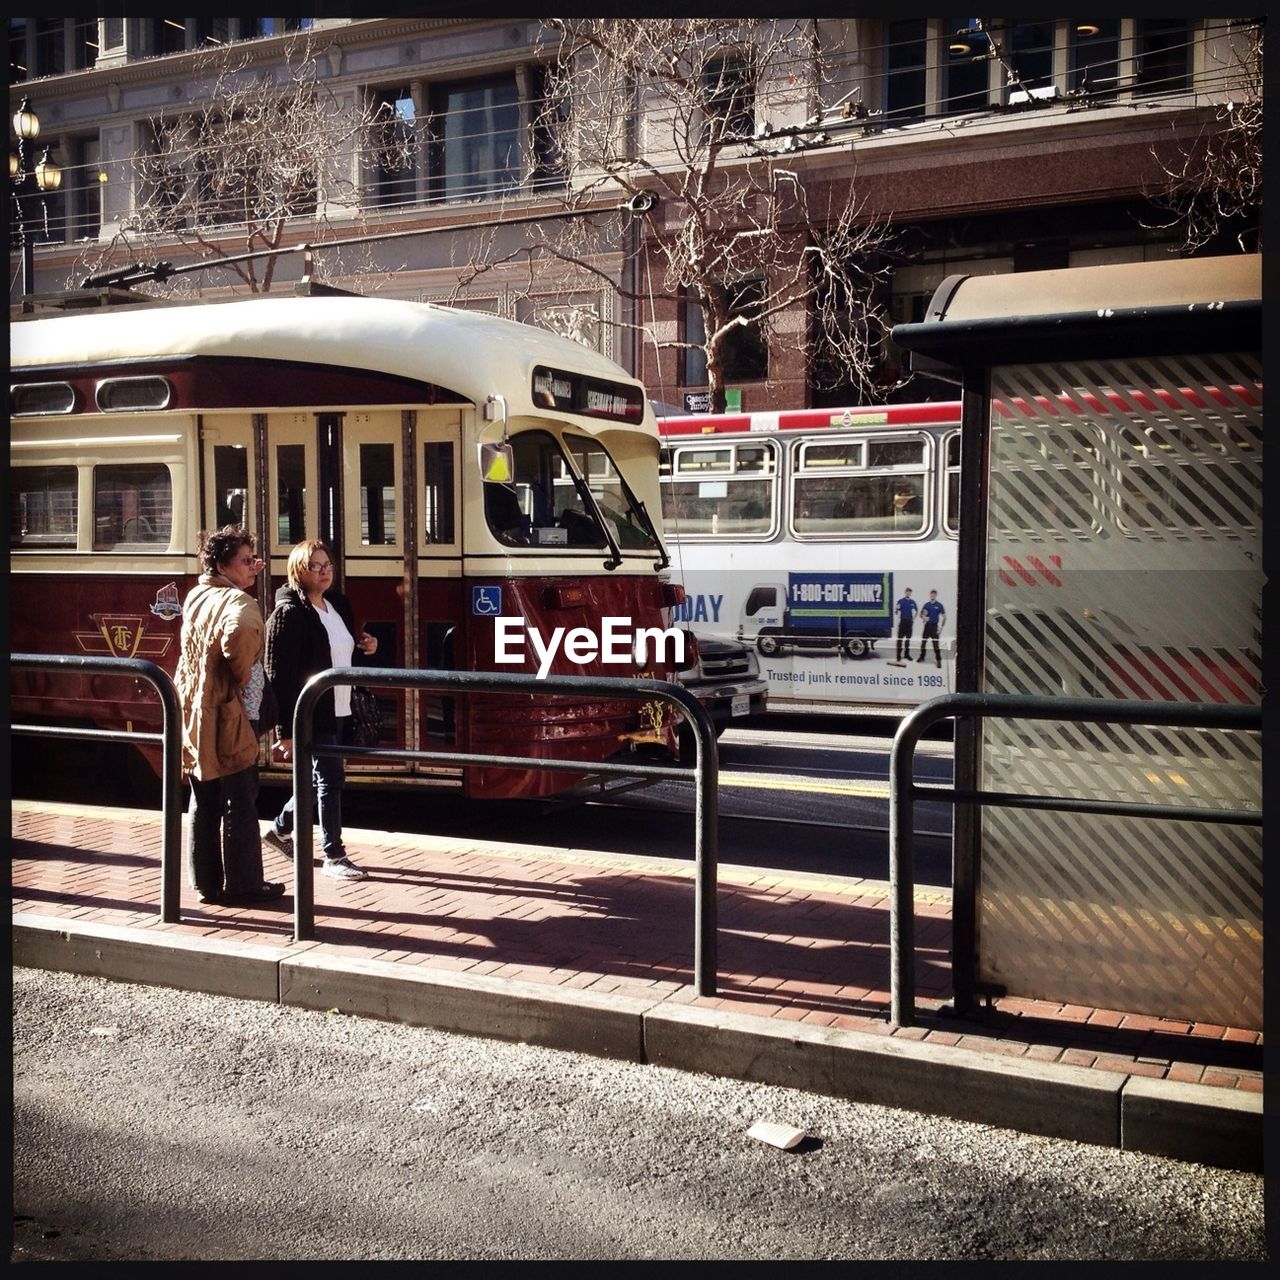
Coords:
pixel 632 528
pixel 557 497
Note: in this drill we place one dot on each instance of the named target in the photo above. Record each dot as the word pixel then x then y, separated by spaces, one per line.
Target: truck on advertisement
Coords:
pixel 849 611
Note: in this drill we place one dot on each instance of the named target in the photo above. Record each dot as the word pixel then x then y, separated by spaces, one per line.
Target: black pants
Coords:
pixel 224 852
pixel 930 633
pixel 904 638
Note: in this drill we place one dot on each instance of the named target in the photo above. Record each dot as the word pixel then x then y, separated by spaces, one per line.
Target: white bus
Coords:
pixel 801 532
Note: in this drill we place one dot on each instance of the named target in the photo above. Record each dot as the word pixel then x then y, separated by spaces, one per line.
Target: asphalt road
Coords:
pixel 152 1124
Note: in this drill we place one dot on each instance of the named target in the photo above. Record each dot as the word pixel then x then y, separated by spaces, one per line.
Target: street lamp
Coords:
pixel 23 173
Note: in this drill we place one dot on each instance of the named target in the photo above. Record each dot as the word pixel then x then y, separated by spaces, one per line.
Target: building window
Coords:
pixel 475 138
pixel 215 31
pixel 393 140
pixel 166 35
pixel 1029 49
pixel 84 189
pixel 550 125
pixel 965 66
pixel 85 45
pixel 1095 56
pixel 744 357
pixel 730 86
pixel 17 49
pixel 51 49
pixel 905 70
pixel 1163 47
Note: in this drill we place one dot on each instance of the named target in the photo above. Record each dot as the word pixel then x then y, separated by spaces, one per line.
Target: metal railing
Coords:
pixel 705 771
pixel 903 792
pixel 169 740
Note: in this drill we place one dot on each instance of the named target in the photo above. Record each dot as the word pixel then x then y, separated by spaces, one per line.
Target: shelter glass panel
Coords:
pixel 1124 562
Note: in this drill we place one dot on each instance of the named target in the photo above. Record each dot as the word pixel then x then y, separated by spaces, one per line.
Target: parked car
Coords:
pixel 724 675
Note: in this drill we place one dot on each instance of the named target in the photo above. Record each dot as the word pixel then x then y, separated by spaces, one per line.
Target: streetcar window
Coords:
pixel 951 492
pixel 231 483
pixel 377 495
pixel 132 504
pixel 631 526
pixel 124 395
pixel 291 494
pixel 725 492
pixel 42 397
pixel 45 506
pixel 546 505
pixel 437 501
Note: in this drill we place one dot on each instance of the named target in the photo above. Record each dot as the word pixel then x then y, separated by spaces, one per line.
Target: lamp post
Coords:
pixel 24 172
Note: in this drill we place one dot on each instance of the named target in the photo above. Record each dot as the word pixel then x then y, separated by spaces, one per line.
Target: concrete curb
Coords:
pixel 1014 1093
pixel 1221 1127
pixel 473 1004
pixel 218 966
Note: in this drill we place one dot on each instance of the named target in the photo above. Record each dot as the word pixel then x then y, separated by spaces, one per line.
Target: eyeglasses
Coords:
pixel 320 566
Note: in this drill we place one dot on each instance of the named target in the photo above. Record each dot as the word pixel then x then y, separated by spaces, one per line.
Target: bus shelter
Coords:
pixel 1110 548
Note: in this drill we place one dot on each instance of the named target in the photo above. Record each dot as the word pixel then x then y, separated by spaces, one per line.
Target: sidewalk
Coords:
pixel 594 951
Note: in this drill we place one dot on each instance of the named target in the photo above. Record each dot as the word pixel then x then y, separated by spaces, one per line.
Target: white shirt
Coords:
pixel 342 645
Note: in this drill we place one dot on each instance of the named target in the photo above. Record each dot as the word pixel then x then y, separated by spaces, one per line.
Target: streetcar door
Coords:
pixel 364 518
pixel 439 620
pixel 231 490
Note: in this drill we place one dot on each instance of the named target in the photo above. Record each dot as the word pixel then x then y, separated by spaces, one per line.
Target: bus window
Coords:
pixel 45 506
pixel 132 504
pixel 725 492
pixel 867 485
pixel 377 495
pixel 291 494
pixel 437 497
pixel 1026 501
pixel 1190 476
pixel 951 486
pixel 231 484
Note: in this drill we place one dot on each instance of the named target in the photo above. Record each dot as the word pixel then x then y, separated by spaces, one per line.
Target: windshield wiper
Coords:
pixel 615 551
pixel 653 533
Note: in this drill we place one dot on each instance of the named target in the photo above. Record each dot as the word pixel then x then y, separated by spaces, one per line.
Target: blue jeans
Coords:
pixel 326 777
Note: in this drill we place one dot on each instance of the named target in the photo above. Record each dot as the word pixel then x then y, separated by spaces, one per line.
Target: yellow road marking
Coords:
pixel 765 782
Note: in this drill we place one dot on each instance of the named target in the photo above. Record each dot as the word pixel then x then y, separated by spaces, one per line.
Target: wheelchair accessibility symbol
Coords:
pixel 486 601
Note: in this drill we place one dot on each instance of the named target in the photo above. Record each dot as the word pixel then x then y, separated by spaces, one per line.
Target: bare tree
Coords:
pixel 260 153
pixel 682 123
pixel 1214 184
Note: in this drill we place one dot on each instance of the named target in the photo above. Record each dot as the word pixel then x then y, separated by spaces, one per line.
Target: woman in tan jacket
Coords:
pixel 220 643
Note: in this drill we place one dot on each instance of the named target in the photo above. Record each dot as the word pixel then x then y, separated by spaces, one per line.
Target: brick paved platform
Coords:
pixel 793 948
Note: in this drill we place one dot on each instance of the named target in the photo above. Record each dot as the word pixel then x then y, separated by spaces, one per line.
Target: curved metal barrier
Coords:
pixel 904 791
pixel 169 740
pixel 705 771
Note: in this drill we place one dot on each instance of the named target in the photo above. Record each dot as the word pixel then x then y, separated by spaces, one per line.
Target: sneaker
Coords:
pixel 210 897
pixel 280 843
pixel 342 869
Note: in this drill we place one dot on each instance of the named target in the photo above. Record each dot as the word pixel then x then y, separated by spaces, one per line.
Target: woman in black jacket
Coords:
pixel 310 629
